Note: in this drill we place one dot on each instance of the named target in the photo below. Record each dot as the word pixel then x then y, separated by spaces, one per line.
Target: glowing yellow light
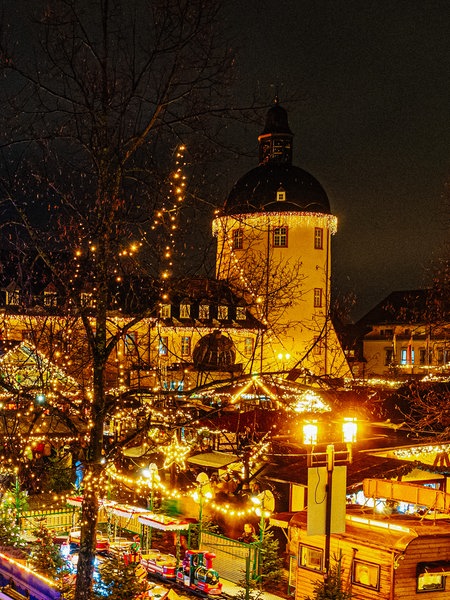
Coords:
pixel 310 431
pixel 349 430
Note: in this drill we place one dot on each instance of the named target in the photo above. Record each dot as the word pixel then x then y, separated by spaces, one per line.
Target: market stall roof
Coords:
pixel 163 522
pixel 217 460
pixel 265 389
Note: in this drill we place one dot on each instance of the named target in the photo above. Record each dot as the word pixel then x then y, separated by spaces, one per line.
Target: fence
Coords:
pixel 235 561
pixel 60 521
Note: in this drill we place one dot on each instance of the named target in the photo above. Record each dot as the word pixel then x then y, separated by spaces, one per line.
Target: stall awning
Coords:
pixel 440 567
pixel 124 510
pixel 163 522
pixel 217 460
pixel 281 519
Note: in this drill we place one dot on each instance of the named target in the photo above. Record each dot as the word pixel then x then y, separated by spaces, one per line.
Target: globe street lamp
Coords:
pixel 153 480
pixel 264 506
pixel 202 492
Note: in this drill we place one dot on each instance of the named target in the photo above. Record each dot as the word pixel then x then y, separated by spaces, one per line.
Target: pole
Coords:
pixel 330 468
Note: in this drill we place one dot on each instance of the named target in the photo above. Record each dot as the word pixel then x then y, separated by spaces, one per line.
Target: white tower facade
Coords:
pixel 274 245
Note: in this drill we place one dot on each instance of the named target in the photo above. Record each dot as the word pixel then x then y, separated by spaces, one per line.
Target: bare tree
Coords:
pixel 94 96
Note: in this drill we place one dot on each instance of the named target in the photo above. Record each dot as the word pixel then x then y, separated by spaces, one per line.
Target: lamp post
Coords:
pixel 265 504
pixel 283 358
pixel 153 479
pixel 202 492
pixel 327 460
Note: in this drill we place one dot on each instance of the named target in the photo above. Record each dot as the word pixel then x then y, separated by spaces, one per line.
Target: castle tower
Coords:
pixel 274 244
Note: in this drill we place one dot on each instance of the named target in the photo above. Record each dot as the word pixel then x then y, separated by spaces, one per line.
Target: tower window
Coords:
pixel 318 238
pixel 318 346
pixel 281 196
pixel 318 297
pixel 280 237
pixel 238 239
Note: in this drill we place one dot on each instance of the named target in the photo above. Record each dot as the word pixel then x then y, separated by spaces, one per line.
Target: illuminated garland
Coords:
pixel 310 219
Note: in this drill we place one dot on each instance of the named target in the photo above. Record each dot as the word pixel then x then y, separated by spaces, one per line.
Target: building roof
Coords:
pixel 404 306
pixel 393 533
pixel 258 189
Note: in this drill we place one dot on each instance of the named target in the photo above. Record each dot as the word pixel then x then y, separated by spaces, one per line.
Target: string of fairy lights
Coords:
pixel 167 217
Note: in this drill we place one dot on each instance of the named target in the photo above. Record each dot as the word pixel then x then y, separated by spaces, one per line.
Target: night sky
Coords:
pixel 371 123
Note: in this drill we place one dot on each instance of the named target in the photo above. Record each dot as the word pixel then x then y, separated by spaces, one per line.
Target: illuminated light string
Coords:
pixel 168 215
pixel 418 450
pixel 255 220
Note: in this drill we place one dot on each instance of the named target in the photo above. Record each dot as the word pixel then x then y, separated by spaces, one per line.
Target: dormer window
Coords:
pixel 165 311
pixel 240 313
pixel 281 195
pixel 185 310
pixel 12 295
pixel 87 299
pixel 222 312
pixel 203 311
pixel 50 299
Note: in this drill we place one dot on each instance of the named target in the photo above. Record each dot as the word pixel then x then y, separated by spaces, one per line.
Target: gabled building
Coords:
pixel 199 332
pixel 405 334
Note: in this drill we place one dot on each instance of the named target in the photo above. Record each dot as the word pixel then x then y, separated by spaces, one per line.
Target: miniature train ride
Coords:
pixel 194 573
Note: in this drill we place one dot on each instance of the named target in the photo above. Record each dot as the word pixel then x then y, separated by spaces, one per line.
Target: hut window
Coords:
pixel 430 582
pixel 366 574
pixel 310 558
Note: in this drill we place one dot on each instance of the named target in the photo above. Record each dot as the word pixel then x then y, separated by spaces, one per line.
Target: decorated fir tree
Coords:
pixel 332 588
pixel 120 581
pixel 45 556
pixel 271 561
pixel 13 503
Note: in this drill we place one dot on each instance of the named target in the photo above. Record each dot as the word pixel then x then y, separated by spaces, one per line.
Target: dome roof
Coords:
pixel 276 185
pixel 258 191
pixel 214 352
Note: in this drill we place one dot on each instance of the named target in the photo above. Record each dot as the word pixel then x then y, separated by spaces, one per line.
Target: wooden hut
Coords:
pixel 388 558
